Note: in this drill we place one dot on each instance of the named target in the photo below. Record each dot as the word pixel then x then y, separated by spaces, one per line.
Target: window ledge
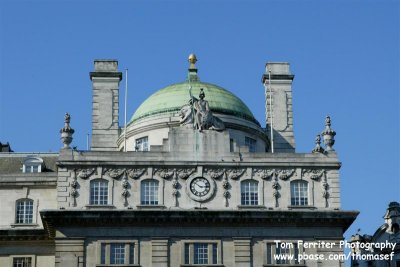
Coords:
pixel 117 265
pixel 24 225
pixel 251 207
pixel 202 265
pixel 285 265
pixel 100 207
pixel 142 207
pixel 302 207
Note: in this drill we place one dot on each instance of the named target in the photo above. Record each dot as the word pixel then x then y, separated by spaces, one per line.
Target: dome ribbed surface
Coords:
pixel 170 99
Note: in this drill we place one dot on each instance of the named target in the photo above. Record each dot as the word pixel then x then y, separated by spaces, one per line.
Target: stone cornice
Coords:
pixel 106 75
pixel 52 219
pixel 23 235
pixel 31 179
pixel 277 77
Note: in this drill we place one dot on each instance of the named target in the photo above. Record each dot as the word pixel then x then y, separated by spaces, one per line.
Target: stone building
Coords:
pixel 387 233
pixel 195 180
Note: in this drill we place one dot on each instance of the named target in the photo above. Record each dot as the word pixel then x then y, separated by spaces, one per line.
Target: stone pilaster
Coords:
pixel 105 111
pixel 242 252
pixel 159 252
pixel 280 102
pixel 69 252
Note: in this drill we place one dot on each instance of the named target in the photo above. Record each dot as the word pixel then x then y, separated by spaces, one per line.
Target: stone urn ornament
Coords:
pixel 66 132
pixel 328 135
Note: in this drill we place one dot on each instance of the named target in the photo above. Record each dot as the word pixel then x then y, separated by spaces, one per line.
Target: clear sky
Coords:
pixel 344 54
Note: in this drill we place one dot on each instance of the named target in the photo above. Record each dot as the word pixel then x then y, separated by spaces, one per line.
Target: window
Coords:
pixel 24 212
pixel 299 193
pixel 142 144
pixel 32 165
pixel 251 143
pixel 201 253
pixel 282 253
pixel 149 192
pixel 115 253
pixel 249 192
pixel 99 192
pixel 22 262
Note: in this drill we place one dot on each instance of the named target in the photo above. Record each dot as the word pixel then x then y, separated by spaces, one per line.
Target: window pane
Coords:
pixel 282 252
pixel 142 144
pixel 215 253
pixel 200 253
pixel 249 192
pixel 99 192
pixel 117 253
pixel 149 192
pixel 24 211
pixel 131 253
pixel 299 193
pixel 251 143
pixel 187 253
pixel 103 254
pixel 22 262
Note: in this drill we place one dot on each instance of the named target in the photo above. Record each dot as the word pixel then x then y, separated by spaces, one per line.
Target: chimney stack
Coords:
pixel 280 102
pixel 105 109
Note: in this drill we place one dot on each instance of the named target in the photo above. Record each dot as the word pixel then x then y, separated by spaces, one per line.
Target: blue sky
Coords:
pixel 344 54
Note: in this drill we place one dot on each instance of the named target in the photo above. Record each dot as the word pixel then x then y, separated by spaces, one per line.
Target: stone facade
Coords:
pixel 193 197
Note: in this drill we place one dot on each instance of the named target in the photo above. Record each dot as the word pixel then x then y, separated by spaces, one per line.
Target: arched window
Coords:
pixel 99 192
pixel 249 192
pixel 24 212
pixel 32 165
pixel 299 193
pixel 149 192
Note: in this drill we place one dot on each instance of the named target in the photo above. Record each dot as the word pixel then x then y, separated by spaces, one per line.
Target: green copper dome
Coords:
pixel 170 99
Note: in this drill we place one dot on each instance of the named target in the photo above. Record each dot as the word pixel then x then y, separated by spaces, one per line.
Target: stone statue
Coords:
pixel 198 113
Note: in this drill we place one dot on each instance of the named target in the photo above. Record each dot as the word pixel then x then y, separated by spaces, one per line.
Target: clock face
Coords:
pixel 200 186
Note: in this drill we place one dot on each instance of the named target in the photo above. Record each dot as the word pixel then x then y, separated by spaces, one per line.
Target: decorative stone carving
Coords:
pixel 85 173
pixel 175 191
pixel 135 173
pixel 114 172
pixel 74 190
pixel 318 148
pixel 285 174
pixel 235 173
pixel 185 172
pixel 164 173
pixel 329 135
pixel 314 174
pixel 125 193
pixel 66 132
pixel 198 113
pixel 226 195
pixel 214 173
pixel 264 173
pixel 276 194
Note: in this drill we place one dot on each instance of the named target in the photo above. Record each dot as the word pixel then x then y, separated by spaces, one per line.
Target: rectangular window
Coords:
pixel 249 193
pixel 251 143
pixel 117 253
pixel 22 262
pixel 299 193
pixel 142 144
pixel 149 192
pixel 99 192
pixel 24 211
pixel 282 255
pixel 231 145
pixel 201 253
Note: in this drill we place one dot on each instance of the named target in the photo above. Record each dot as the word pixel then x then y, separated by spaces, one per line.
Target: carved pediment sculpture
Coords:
pixel 264 173
pixel 198 114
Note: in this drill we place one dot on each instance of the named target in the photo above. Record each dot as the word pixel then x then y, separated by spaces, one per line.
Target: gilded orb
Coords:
pixel 192 59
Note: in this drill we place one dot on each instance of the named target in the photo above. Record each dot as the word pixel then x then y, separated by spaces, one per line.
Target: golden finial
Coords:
pixel 192 60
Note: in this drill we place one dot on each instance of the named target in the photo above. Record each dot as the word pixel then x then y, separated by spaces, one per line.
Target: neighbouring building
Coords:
pixel 389 232
pixel 195 180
